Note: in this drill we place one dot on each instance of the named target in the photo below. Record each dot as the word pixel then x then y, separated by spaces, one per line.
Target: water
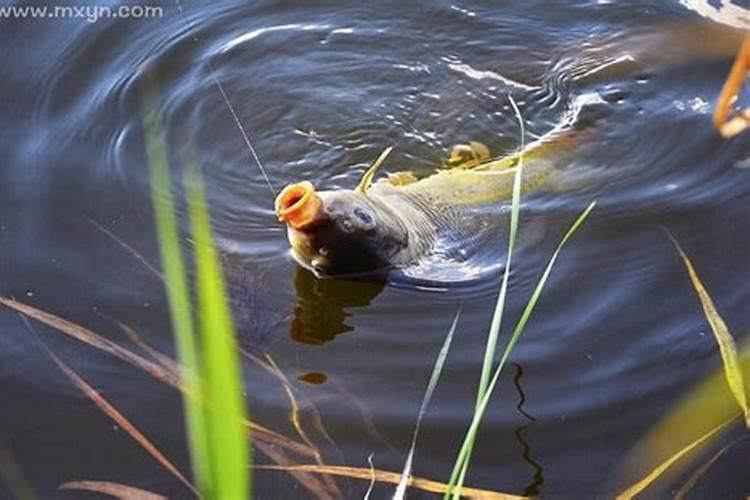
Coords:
pixel 618 336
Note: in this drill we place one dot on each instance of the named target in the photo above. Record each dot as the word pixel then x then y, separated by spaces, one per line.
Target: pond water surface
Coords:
pixel 618 336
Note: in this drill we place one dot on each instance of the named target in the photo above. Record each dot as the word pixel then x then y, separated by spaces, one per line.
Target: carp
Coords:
pixel 400 219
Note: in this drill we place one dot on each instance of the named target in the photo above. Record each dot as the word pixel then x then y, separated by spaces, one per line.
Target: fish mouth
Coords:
pixel 299 206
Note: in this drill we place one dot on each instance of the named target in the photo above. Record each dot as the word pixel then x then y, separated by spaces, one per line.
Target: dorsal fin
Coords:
pixel 366 181
pixel 468 155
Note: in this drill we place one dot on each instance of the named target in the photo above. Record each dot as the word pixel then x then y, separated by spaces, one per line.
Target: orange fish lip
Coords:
pixel 298 205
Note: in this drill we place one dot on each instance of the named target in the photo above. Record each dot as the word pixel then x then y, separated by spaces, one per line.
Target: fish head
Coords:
pixel 341 232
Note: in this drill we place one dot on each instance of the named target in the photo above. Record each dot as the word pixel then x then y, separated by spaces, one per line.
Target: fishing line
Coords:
pixel 235 116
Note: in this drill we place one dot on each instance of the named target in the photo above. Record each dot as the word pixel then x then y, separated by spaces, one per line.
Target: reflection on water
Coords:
pixel 534 488
pixel 324 304
pixel 314 378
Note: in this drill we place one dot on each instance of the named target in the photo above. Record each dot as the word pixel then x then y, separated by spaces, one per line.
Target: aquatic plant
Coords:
pixel 206 345
pixel 705 414
pixel 486 382
pixel 724 340
pixel 437 370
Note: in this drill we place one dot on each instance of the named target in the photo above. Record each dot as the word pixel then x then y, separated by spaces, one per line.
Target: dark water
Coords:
pixel 618 336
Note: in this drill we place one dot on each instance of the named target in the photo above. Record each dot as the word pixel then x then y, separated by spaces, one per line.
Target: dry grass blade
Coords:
pixel 88 337
pixel 724 339
pixel 266 364
pixel 667 464
pixel 116 490
pixel 367 421
pixel 308 481
pixel 132 251
pixel 297 422
pixel 161 358
pixel 366 474
pixel 262 433
pixel 120 419
pixel 294 413
pixel 305 478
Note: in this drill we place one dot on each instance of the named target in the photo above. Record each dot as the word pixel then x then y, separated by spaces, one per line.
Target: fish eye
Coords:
pixel 363 216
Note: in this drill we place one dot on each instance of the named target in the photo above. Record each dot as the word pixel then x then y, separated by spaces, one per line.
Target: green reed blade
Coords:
pixel 175 275
pixel 434 377
pixel 226 432
pixel 696 422
pixel 497 317
pixel 462 462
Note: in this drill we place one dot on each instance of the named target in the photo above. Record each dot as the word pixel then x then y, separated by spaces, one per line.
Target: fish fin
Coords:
pixel 366 181
pixel 402 178
pixel 504 163
pixel 468 155
pixel 553 144
pixel 481 151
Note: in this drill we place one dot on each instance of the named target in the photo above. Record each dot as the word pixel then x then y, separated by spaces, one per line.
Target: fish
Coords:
pixel 399 220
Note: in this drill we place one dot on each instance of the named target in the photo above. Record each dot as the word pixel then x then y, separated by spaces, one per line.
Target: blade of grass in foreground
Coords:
pixel 663 467
pixel 436 371
pixel 215 408
pixel 462 462
pixel 724 339
pixel 226 433
pixel 175 282
pixel 13 476
pixel 706 412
